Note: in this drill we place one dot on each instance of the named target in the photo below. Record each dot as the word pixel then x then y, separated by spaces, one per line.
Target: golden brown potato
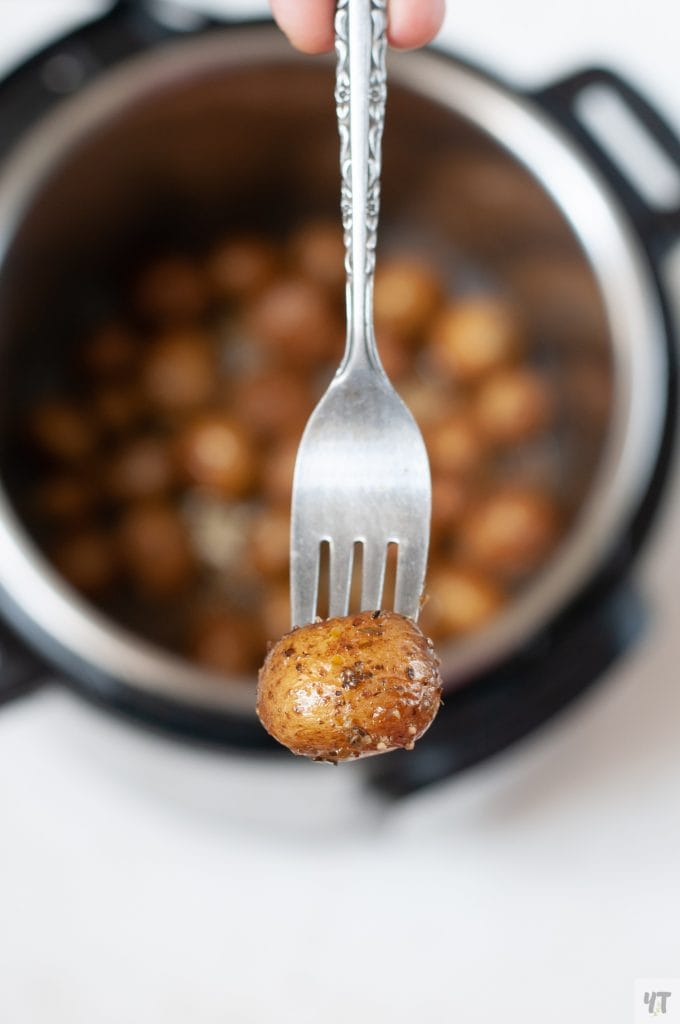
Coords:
pixel 155 549
pixel 455 445
pixel 407 294
pixel 296 322
pixel 512 406
pixel 110 353
pixel 63 500
pixel 62 431
pixel 459 600
pixel 317 250
pixel 270 542
pixel 511 532
pixel 87 560
pixel 179 371
pixel 348 687
pixel 474 336
pixel 172 290
pixel 143 468
pixel 215 452
pixel 273 403
pixel 240 267
pixel 227 642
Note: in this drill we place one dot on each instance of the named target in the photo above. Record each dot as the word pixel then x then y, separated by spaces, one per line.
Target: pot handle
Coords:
pixel 657 222
pixel 21 671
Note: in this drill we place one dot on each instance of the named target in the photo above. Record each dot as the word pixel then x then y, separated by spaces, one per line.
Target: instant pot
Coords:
pixel 154 123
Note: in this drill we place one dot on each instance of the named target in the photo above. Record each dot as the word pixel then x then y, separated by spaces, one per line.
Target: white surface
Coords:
pixel 144 882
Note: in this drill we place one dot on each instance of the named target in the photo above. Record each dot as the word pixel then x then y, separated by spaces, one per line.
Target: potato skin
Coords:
pixel 349 687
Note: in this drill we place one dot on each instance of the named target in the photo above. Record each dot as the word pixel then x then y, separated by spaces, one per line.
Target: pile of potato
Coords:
pixel 161 465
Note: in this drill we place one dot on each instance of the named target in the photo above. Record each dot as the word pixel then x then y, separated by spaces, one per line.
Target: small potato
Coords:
pixel 215 452
pixel 62 431
pixel 317 250
pixel 240 267
pixel 460 600
pixel 295 321
pixel 512 406
pixel 143 468
pixel 179 372
pixel 272 403
pixel 348 687
pixel 511 532
pixel 64 500
pixel 156 549
pixel 270 543
pixel 474 336
pixel 227 643
pixel 171 291
pixel 110 353
pixel 407 294
pixel 87 560
pixel 116 408
pixel 455 445
pixel 277 472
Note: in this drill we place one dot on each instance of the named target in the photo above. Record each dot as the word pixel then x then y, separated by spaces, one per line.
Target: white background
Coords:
pixel 141 881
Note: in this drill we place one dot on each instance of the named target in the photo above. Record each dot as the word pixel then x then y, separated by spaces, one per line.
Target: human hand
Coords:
pixel 309 23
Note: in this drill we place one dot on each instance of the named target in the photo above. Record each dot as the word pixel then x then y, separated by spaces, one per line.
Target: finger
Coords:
pixel 307 23
pixel 414 22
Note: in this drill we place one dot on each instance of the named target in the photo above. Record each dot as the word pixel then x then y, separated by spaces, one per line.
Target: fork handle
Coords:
pixel 360 94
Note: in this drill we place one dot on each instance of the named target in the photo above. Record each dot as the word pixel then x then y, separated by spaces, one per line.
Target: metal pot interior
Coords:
pixel 239 132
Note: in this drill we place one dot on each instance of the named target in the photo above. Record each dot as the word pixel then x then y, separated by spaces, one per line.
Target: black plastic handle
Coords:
pixel 21 671
pixel 658 228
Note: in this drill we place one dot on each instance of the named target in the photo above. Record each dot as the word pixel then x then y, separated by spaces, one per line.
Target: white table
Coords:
pixel 142 882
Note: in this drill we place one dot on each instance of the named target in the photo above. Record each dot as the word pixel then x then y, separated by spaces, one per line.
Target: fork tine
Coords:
pixel 304 579
pixel 411 568
pixel 342 557
pixel 373 581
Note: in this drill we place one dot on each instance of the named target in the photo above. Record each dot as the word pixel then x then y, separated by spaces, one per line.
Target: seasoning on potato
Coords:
pixel 349 687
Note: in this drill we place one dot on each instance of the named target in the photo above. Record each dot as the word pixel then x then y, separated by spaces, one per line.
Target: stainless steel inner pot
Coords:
pixel 237 129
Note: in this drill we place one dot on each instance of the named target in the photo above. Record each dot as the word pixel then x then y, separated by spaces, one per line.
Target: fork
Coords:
pixel 362 475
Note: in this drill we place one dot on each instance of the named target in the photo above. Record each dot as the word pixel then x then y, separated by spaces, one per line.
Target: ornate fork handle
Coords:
pixel 361 93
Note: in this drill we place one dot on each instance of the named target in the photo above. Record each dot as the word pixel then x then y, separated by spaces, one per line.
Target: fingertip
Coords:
pixel 414 24
pixel 308 24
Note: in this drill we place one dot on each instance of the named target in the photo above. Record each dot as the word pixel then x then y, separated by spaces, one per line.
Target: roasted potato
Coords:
pixel 238 268
pixel 155 549
pixel 61 430
pixel 171 291
pixel 348 687
pixel 474 336
pixel 179 371
pixel 215 452
pixel 513 406
pixel 512 531
pixel 407 294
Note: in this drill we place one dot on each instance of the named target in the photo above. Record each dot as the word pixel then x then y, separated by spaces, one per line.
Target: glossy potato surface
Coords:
pixel 349 687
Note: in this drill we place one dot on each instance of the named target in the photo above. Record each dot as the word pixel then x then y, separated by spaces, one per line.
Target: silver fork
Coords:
pixel 362 474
